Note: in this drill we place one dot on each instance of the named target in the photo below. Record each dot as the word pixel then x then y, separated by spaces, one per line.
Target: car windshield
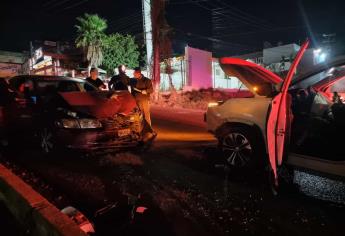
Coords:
pixel 48 86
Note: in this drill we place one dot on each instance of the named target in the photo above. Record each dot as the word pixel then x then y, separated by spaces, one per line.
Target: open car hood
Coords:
pixel 256 78
pixel 100 104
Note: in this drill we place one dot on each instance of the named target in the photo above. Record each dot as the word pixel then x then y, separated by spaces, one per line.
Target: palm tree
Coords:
pixel 91 37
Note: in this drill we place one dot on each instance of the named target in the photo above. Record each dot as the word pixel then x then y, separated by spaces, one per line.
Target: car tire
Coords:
pixel 47 141
pixel 240 148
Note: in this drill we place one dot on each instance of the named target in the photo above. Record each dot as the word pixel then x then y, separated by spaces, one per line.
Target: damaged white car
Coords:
pixel 295 121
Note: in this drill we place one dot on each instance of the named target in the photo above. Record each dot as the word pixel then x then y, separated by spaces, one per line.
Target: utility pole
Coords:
pixel 146 8
pixel 152 11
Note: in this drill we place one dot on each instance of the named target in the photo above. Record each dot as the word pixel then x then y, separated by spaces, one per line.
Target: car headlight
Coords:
pixel 215 104
pixel 212 104
pixel 68 123
pixel 89 124
pixel 79 123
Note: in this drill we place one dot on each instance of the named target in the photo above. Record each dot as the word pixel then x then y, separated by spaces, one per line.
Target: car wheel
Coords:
pixel 47 142
pixel 239 148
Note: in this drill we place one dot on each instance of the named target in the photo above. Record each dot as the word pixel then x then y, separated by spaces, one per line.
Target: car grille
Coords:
pixel 123 122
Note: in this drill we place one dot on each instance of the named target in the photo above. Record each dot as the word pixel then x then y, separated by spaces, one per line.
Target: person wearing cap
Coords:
pixel 119 81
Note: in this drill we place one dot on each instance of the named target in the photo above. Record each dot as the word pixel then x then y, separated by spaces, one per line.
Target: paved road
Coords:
pixel 178 184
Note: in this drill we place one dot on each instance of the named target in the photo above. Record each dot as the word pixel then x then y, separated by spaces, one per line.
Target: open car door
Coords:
pixel 279 122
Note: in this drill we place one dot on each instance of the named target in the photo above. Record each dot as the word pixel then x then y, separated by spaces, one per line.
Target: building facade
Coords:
pixel 11 63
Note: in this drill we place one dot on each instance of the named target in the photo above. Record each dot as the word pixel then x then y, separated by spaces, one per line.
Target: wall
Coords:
pixel 9 69
pixel 11 63
pixel 275 54
pixel 178 66
pixel 199 68
pixel 221 81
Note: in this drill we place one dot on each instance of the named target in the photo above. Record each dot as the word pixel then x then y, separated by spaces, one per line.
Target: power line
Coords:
pixel 126 25
pixel 49 2
pixel 125 18
pixel 263 31
pixel 57 4
pixel 236 17
pixel 242 12
pixel 185 2
pixel 216 40
pixel 75 5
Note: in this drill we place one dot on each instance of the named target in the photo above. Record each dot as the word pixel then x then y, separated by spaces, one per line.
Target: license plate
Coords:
pixel 123 132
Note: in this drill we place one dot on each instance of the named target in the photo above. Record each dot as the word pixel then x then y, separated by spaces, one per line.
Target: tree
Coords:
pixel 91 37
pixel 120 49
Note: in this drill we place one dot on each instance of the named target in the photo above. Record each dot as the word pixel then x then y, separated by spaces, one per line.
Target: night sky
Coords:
pixel 223 26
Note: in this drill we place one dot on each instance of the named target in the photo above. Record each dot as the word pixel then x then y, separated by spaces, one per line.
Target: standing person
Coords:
pixel 94 80
pixel 142 89
pixel 119 81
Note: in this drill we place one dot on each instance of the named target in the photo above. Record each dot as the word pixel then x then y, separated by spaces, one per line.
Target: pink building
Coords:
pixel 198 68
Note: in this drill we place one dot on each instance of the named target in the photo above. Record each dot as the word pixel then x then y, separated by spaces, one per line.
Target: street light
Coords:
pixel 319 56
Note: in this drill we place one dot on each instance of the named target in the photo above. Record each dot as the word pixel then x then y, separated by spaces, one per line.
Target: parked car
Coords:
pixel 71 113
pixel 294 121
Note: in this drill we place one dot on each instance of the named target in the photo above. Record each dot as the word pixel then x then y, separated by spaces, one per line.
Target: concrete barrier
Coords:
pixel 32 210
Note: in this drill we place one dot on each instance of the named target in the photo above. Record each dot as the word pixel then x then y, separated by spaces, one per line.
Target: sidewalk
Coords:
pixel 180 115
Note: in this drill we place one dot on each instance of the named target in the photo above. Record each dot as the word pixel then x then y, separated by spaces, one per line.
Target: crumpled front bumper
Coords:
pixel 107 137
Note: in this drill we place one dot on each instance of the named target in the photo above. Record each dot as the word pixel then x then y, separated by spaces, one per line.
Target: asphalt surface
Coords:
pixel 178 187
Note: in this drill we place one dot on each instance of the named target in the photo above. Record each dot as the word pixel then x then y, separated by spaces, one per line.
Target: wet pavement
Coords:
pixel 175 189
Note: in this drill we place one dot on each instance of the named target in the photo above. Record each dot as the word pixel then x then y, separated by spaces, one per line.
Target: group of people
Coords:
pixel 140 87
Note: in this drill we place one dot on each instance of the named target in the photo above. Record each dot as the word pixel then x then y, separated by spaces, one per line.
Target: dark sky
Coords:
pixel 228 27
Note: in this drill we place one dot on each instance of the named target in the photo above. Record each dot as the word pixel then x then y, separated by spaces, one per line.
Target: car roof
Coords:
pixel 49 78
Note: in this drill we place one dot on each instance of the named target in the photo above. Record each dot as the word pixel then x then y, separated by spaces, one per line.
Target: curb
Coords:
pixel 32 210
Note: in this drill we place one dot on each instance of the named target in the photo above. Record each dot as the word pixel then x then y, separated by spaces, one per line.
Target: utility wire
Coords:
pixel 49 2
pixel 235 17
pixel 57 4
pixel 125 18
pixel 263 31
pixel 216 40
pixel 75 5
pixel 244 13
pixel 123 26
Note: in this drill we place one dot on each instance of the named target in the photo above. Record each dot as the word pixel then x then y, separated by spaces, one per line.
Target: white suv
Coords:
pixel 307 110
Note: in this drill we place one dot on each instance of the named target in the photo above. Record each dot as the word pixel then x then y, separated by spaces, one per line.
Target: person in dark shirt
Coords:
pixel 94 80
pixel 119 81
pixel 141 90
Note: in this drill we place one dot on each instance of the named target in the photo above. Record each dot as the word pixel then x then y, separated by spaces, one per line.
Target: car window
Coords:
pixel 46 87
